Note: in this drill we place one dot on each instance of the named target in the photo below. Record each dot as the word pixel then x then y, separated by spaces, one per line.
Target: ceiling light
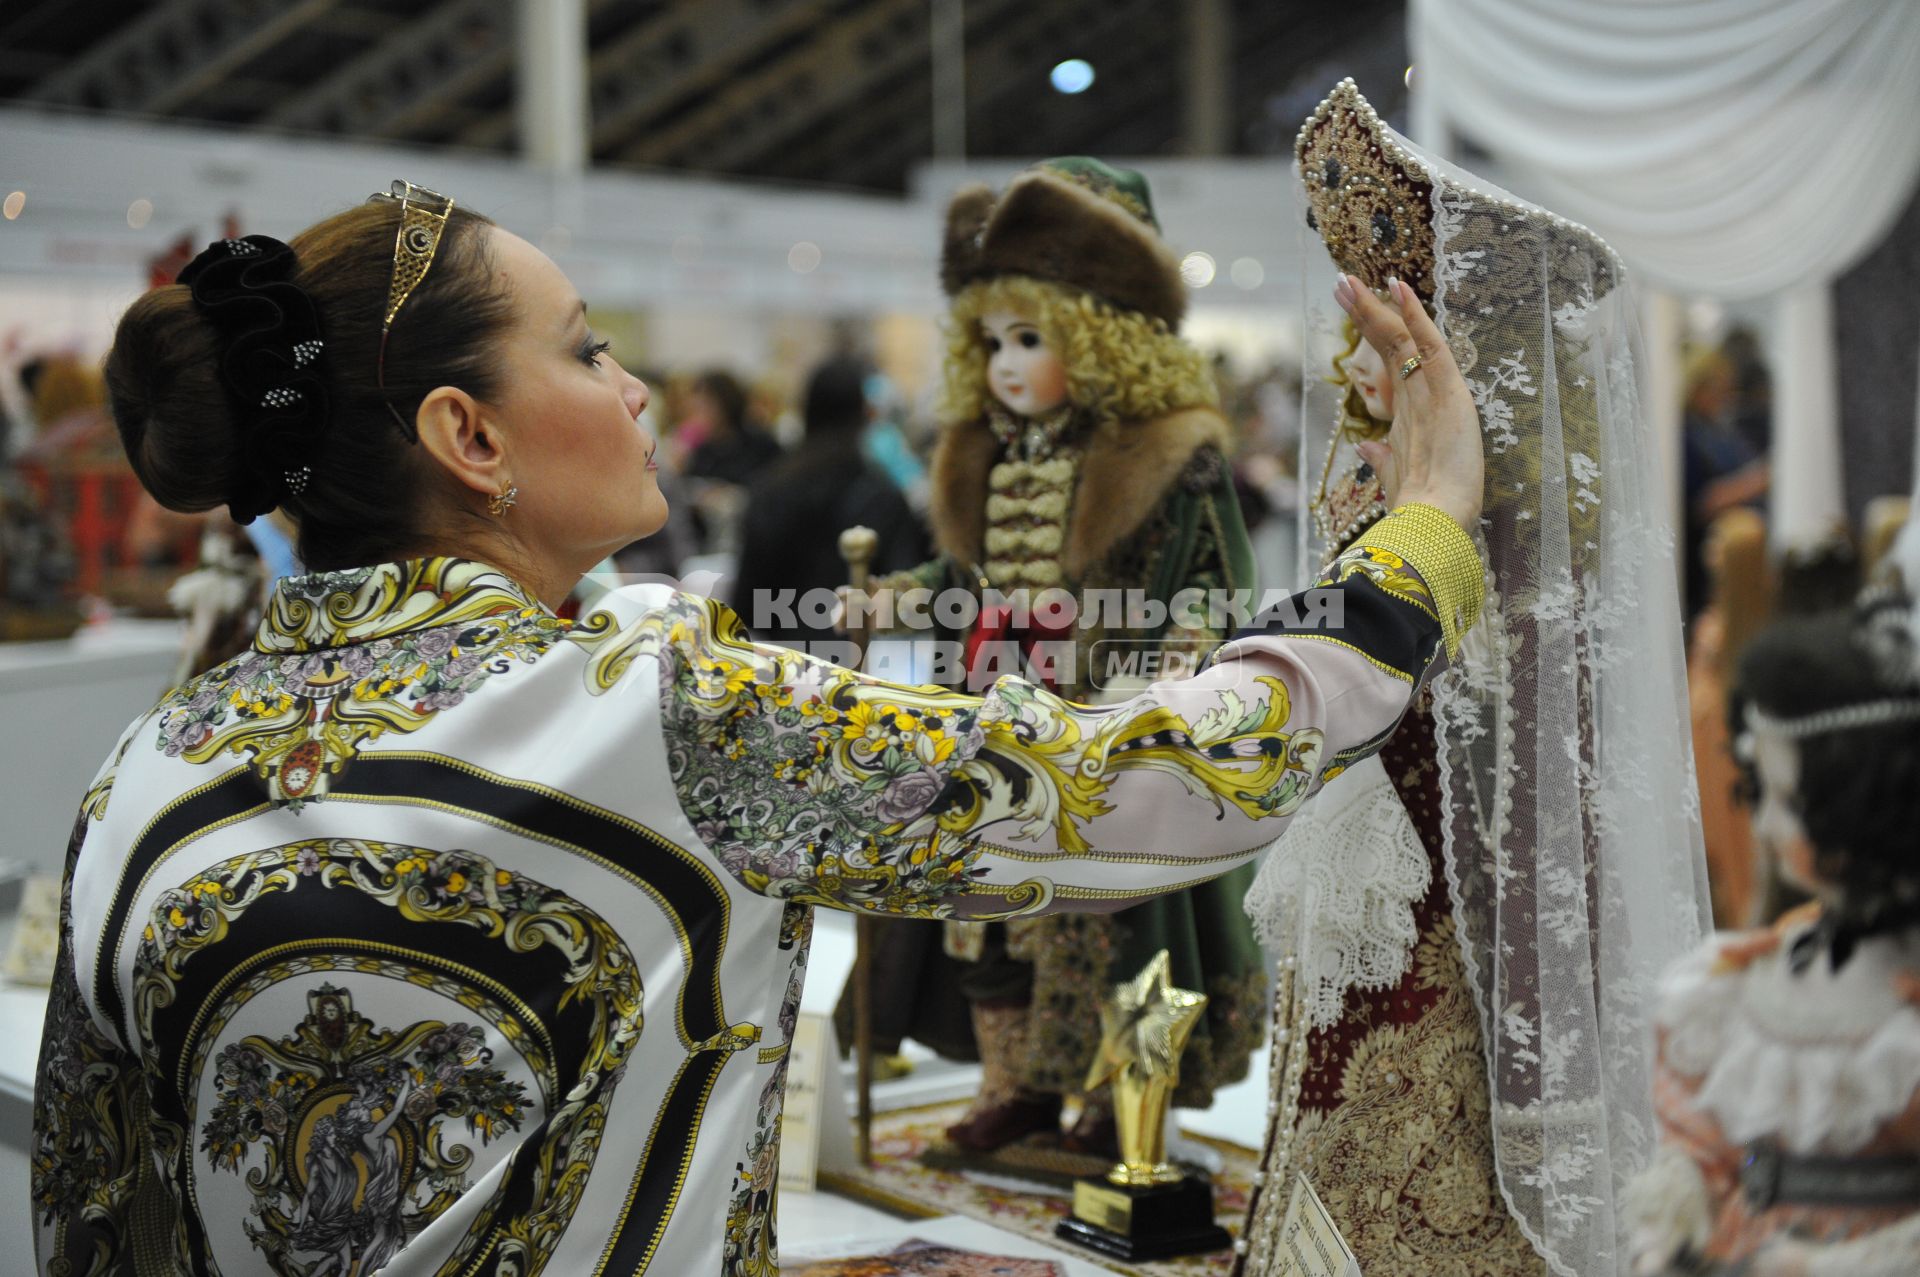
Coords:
pixel 1075 75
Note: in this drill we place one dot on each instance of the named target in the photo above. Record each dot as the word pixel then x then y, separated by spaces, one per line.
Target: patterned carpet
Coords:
pixel 899 1181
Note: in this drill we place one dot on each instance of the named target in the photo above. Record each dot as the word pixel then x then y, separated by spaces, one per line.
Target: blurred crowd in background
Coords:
pixel 755 471
pixel 745 461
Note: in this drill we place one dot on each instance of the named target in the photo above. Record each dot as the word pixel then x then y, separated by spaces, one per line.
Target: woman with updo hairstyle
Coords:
pixel 359 506
pixel 435 933
pixel 1788 1082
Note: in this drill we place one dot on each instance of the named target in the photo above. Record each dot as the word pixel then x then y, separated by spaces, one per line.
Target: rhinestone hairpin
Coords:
pixel 297 479
pixel 280 397
pixel 306 352
pixel 240 248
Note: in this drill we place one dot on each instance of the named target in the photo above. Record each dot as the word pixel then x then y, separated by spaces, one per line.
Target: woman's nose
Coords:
pixel 637 396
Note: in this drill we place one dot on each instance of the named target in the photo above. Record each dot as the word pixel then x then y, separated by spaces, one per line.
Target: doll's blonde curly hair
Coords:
pixel 1121 365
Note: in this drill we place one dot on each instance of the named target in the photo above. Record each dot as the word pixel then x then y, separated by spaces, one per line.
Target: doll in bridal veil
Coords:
pixel 1472 920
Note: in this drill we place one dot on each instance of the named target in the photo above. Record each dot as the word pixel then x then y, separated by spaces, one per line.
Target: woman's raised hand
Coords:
pixel 1432 454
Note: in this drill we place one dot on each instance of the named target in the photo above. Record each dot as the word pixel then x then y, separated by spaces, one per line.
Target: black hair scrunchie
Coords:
pixel 270 367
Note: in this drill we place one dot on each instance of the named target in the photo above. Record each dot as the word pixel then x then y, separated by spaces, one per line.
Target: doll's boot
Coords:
pixel 1003 1111
pixel 1094 1132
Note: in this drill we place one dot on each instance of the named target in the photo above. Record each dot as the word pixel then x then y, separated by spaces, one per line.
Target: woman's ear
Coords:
pixel 459 436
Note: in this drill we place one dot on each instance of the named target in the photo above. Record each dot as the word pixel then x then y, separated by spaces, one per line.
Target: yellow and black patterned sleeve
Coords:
pixel 816 784
pixel 1405 591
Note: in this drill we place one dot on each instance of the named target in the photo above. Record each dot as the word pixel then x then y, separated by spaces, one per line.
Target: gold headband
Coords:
pixel 423 219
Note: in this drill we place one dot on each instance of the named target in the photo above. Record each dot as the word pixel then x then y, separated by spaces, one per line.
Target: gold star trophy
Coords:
pixel 1145 1208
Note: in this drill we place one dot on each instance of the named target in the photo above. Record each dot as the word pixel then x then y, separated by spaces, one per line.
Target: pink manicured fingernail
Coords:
pixel 1343 293
pixel 1393 288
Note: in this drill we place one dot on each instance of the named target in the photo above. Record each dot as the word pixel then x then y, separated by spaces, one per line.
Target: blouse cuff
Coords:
pixel 1443 554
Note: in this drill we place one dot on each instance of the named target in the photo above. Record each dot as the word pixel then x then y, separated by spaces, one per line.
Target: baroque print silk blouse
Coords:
pixel 437 935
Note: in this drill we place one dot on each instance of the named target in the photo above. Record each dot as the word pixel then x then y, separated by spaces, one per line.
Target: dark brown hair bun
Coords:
pixel 363 503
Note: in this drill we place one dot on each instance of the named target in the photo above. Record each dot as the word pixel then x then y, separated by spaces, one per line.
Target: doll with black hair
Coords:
pixel 1788 1079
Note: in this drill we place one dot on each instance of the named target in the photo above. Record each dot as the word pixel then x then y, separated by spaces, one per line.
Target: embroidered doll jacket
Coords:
pixel 436 934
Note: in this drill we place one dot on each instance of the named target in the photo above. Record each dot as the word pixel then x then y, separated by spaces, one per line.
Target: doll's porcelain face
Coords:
pixel 1023 372
pixel 1777 827
pixel 1369 376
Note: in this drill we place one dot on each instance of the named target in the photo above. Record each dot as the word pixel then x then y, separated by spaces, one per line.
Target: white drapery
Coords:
pixel 1732 148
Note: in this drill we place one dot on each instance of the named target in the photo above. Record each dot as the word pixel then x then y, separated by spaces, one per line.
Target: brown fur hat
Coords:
pixel 1068 222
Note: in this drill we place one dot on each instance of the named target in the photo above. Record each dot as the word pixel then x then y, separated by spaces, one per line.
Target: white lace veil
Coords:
pixel 1571 821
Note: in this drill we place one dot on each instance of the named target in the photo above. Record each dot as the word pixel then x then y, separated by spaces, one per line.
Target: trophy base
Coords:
pixel 1154 1222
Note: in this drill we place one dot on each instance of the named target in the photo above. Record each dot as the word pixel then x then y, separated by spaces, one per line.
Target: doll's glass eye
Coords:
pixel 1030 339
pixel 993 345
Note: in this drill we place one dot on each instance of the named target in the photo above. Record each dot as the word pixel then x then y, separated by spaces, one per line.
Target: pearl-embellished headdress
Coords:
pixel 1372 202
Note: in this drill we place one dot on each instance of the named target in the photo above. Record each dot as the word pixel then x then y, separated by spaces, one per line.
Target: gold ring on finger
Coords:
pixel 1410 367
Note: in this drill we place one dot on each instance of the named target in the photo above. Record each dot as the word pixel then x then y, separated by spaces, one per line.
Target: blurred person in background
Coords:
pixel 37 563
pixel 1752 389
pixel 887 444
pixel 126 549
pixel 724 446
pixel 1720 467
pixel 725 442
pixel 797 508
pixel 1266 471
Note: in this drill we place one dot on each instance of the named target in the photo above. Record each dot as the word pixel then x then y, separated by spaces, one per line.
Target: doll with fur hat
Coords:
pixel 1081 449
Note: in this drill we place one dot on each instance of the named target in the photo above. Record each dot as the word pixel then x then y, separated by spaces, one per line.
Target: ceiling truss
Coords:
pixel 834 91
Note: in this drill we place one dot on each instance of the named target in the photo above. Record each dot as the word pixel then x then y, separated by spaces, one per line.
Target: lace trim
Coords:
pixel 1822 1060
pixel 1352 866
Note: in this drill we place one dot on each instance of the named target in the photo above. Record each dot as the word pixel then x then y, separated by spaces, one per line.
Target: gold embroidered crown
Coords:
pixel 1371 203
pixel 1373 206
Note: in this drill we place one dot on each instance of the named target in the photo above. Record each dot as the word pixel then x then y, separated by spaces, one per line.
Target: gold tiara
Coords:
pixel 423 219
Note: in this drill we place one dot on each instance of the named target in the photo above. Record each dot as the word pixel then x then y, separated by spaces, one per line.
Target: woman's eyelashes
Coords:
pixel 591 350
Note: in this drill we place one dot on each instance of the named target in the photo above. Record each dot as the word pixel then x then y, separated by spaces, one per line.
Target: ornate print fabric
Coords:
pixel 500 977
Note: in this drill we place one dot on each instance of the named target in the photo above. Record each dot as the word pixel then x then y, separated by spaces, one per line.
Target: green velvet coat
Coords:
pixel 1153 509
